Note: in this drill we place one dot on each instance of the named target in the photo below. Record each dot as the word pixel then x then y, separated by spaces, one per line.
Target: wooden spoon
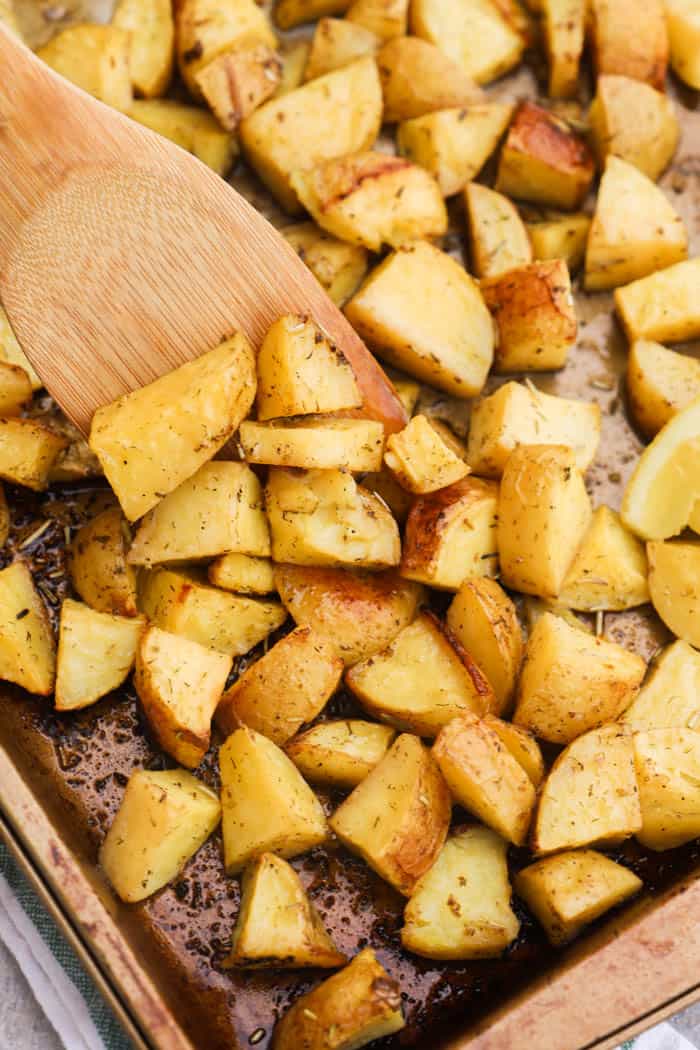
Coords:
pixel 121 256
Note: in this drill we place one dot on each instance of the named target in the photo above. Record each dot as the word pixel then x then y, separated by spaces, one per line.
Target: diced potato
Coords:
pixel 208 28
pixel 337 42
pixel 354 1007
pixel 569 890
pixel 340 754
pixel 461 909
pixel 544 512
pixel 96 652
pixel 385 18
pixel 572 681
pixel 236 83
pixel 267 805
pixel 609 570
pixel 472 32
pixel 421 681
pixel 421 460
pixel 668 772
pixel 660 383
pixel 631 120
pixel 563 237
pixel 683 24
pixel 454 144
pixel 535 608
pixel 96 58
pixel 290 13
pixel 294 55
pixel 564 23
pixel 670 696
pixel 153 439
pixel 590 796
pixel 77 461
pixel 635 229
pixel 219 509
pixel 498 239
pixel 663 306
pixel 372 199
pixel 277 925
pixel 242 573
pixel 28 451
pixel 179 683
pixel 229 623
pixel 544 160
pixel 313 443
pixel 323 517
pixel 394 311
pixel 522 746
pixel 151 30
pixel 522 415
pixel 279 138
pixel 624 43
pixel 337 266
pixel 452 535
pixel 164 818
pixel 397 818
pixel 15 389
pixel 27 647
pixel 360 612
pixel 674 585
pixel 418 78
pixel 384 484
pixel 483 619
pixel 194 130
pixel 407 390
pixel 535 316
pixel 11 351
pixel 289 685
pixel 98 567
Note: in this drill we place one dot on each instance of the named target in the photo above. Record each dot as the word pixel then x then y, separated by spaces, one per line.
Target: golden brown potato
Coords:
pixel 279 138
pixel 633 121
pixel 96 652
pixel 535 608
pixel 475 34
pixel 522 415
pixel 15 389
pixel 452 349
pixel 267 807
pixel 337 42
pixel 544 160
pixel 522 746
pixel 11 351
pixel 454 144
pixel 353 1008
pixel 544 512
pixel 407 390
pixel 590 796
pixel 564 24
pixel 27 646
pixel 609 570
pixel 421 460
pixel 668 772
pixel 660 383
pixel 360 612
pixel 674 585
pixel 193 129
pixel 76 461
pixel 385 18
pixel 290 13
pixel 164 818
pixel 28 452
pixel 569 890
pixel 624 43
pixel 560 237
pixel 98 565
pixel 340 754
pixel 151 30
pixel 242 573
pixel 461 909
pixel 277 925
pixel 153 439
pixel 294 55
pixel 314 442
pixel 572 681
pixel 384 484
pixel 498 240
pixel 483 619
pixel 337 266
pixel 663 306
pixel 670 696
pixel 535 316
pixel 96 58
pixel 684 40
pixel 418 78
pixel 236 83
pixel 179 683
pixel 397 818
pixel 206 29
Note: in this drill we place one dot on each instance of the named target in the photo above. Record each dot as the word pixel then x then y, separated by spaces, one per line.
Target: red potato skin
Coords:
pixel 538 133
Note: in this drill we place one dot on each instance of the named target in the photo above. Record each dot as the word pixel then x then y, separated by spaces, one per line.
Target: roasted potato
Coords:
pixel 360 612
pixel 206 29
pixel 290 13
pixel 340 754
pixel 314 442
pixel 294 55
pixel 522 746
pixel 98 564
pixel 475 34
pixel 27 646
pixel 660 383
pixel 421 681
pixel 337 42
pixel 421 460
pixel 242 573
pixel 663 306
pixel 191 128
pixel 668 772
pixel 96 58
pixel 633 121
pixel 670 695
pixel 96 652
pixel 397 818
pixel 451 348
pixel 164 818
pixel 277 925
pixel 674 586
pixel 385 18
pixel 28 451
pixel 498 240
pixel 564 24
pixel 236 83
pixel 11 351
pixel 609 570
pixel 560 237
pixel 544 512
pixel 151 30
pixel 572 681
pixel 625 44
pixel 418 78
pixel 153 439
pixel 683 27
pixel 337 266
pixel 534 609
pixel 267 807
pixel 15 389
pixel 460 909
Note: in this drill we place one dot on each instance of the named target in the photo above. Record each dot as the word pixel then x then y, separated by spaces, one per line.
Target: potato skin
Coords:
pixel 98 564
pixel 27 645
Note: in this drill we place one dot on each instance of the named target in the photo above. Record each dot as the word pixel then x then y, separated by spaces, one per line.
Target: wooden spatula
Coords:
pixel 121 256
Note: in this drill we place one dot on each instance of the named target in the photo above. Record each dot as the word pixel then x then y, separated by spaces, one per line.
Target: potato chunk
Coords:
pixel 96 58
pixel 544 512
pixel 96 651
pixel 242 574
pixel 421 681
pixel 498 239
pixel 236 83
pixel 28 452
pixel 360 612
pixel 483 620
pixel 27 647
pixel 674 585
pixel 164 818
pixel 98 564
pixel 179 683
pixel 15 390
pixel 484 777
pixel 279 138
pixel 353 1008
pixel 418 78
pixel 668 772
pixel 609 570
pixel 340 754
pixel 663 306
pixel 461 909
pixel 670 696
pixel 632 121
pixel 522 415
pixel 522 746
pixel 625 44
pixel 151 30
pixel 153 439
pixel 191 128
pixel 544 161
pixel 291 13
pixel 277 925
pixel 208 28
pixel 572 681
pixel 337 42
pixel 569 890
pixel 560 237
pixel 11 351
pixel 683 24
pixel 455 27
pixel 397 818
pixel 660 383
pixel 314 443
pixel 267 806
pixel 564 23
pixel 387 19
pixel 337 266
pixel 421 460
pixel 452 349
pixel 591 795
